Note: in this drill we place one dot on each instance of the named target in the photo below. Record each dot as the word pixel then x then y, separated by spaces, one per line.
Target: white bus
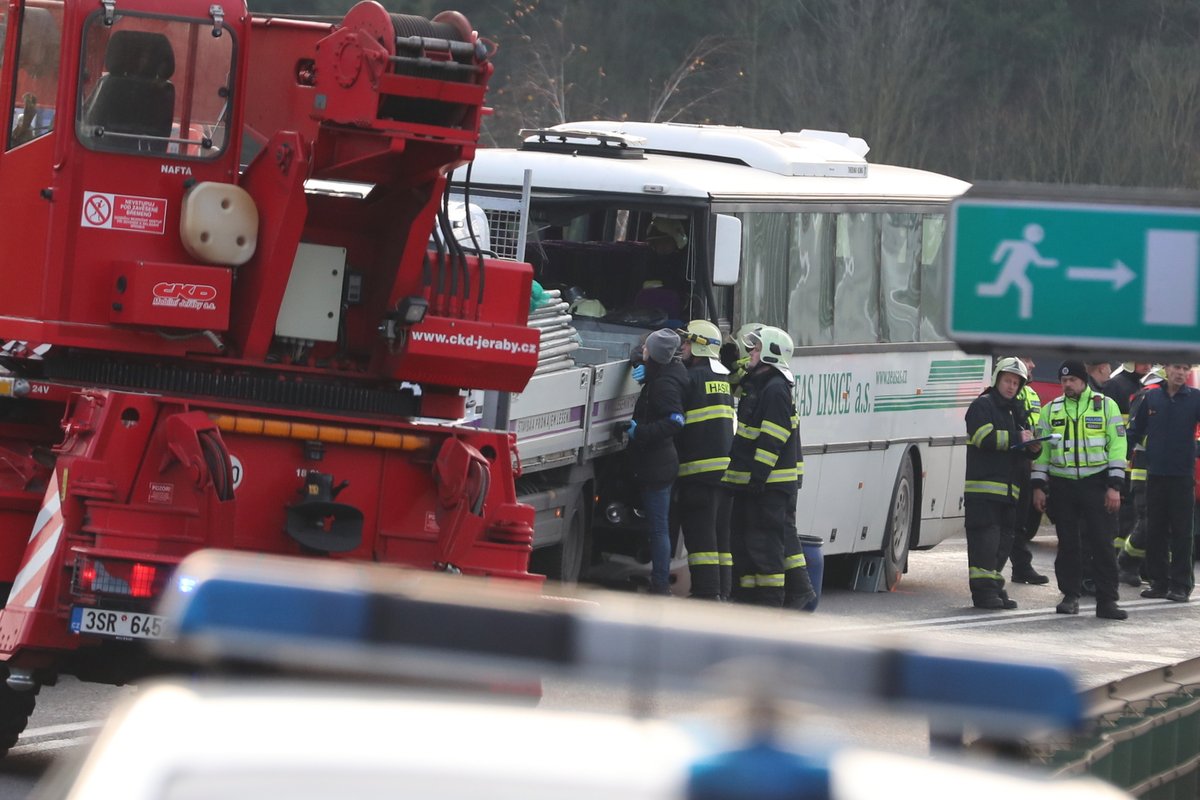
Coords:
pixel 644 225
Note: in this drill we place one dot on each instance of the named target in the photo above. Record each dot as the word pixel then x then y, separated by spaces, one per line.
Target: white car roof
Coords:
pixel 198 736
pixel 253 740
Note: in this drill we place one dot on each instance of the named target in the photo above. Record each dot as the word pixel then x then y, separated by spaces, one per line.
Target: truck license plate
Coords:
pixel 120 624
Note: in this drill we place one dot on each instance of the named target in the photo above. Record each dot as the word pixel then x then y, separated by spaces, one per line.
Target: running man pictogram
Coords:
pixel 1017 255
pixel 97 210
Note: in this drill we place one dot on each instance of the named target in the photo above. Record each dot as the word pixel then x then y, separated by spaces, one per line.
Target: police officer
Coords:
pixel 1028 518
pixel 765 471
pixel 998 449
pixel 703 504
pixel 1168 418
pixel 1083 471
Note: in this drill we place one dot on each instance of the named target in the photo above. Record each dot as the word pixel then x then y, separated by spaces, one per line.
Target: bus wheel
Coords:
pixel 898 533
pixel 563 561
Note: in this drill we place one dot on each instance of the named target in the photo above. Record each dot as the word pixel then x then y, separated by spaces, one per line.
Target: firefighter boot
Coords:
pixel 1130 559
pixel 1068 605
pixel 987 589
pixel 1029 575
pixel 1108 609
pixel 798 590
pixel 989 597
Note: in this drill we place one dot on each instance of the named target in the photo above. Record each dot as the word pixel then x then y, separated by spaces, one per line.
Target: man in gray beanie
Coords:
pixel 653 462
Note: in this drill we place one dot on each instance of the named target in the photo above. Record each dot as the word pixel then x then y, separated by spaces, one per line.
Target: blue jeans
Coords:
pixel 656 502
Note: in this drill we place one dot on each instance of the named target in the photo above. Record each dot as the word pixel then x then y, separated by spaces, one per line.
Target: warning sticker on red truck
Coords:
pixel 123 212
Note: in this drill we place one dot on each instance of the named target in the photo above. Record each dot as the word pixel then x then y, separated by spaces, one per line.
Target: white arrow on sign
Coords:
pixel 1118 274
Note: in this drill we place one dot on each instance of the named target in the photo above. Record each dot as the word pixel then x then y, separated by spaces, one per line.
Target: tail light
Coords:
pixel 119 578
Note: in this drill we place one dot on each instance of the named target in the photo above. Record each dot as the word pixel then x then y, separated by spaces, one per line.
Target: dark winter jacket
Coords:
pixel 766 448
pixel 659 416
pixel 1122 387
pixel 995 470
pixel 1168 423
pixel 708 424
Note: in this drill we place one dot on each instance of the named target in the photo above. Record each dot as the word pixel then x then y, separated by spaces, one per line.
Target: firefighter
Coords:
pixel 701 502
pixel 1028 519
pixel 1083 473
pixel 653 460
pixel 736 357
pixel 765 471
pixel 1126 381
pixel 998 449
pixel 1132 551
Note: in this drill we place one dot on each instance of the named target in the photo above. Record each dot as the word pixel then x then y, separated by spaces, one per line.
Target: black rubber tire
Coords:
pixel 564 561
pixel 897 534
pixel 15 710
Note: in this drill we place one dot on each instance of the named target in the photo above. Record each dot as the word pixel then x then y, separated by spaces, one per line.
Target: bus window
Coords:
pixel 764 283
pixel 933 284
pixel 899 277
pixel 856 293
pixel 844 278
pixel 810 277
pixel 631 267
pixel 37 75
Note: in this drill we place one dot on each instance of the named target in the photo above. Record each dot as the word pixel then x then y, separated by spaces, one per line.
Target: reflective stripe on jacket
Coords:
pixel 1032 404
pixel 1093 440
pixel 766 445
pixel 994 470
pixel 708 417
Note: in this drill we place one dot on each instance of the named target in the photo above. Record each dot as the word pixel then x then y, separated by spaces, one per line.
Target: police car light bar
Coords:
pixel 369 619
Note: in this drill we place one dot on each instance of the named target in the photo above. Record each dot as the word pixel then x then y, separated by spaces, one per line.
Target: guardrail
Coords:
pixel 1143 735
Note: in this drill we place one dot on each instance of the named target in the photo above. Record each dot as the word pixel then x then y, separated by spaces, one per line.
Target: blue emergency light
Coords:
pixel 373 619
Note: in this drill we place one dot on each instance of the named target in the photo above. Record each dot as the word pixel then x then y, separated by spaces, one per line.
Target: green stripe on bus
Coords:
pixel 920 406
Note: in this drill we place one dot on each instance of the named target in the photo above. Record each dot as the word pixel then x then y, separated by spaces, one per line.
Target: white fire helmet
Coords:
pixel 1010 364
pixel 777 347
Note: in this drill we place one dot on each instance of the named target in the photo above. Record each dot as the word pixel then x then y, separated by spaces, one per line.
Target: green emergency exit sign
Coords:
pixel 1068 273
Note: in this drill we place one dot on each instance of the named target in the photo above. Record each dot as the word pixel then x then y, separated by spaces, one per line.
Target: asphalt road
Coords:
pixel 930 607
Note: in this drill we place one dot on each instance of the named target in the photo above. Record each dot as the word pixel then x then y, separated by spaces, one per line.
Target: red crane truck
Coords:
pixel 224 321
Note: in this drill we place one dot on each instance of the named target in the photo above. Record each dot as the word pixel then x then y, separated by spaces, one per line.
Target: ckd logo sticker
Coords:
pixel 196 296
pixel 123 212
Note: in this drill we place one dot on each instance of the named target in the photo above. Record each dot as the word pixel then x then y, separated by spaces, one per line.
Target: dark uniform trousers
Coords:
pixel 1027 521
pixel 1133 551
pixel 989 539
pixel 1170 501
pixel 759 559
pixel 1084 526
pixel 797 585
pixel 704 534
